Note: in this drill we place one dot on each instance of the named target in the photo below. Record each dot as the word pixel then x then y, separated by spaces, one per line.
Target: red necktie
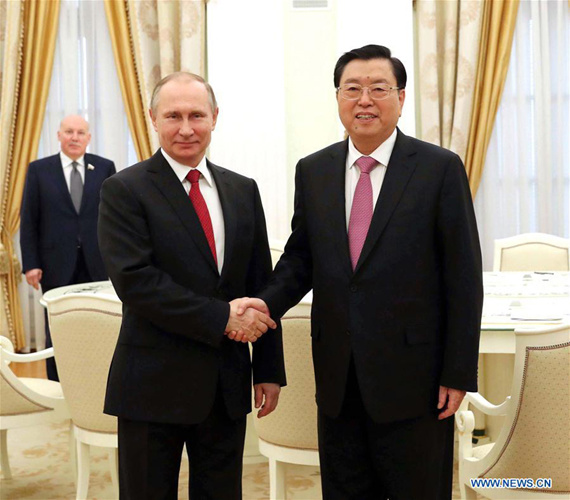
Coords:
pixel 362 209
pixel 202 209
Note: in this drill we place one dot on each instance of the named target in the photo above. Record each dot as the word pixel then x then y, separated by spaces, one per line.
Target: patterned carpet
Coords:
pixel 39 457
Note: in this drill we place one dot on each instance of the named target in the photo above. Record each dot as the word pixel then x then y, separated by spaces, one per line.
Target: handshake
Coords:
pixel 249 320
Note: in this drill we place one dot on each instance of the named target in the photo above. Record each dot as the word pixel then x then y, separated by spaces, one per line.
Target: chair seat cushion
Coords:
pixel 41 385
pixel 480 451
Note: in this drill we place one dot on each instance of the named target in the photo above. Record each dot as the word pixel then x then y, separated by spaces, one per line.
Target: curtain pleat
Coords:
pixel 150 40
pixel 166 37
pixel 26 94
pixel 524 187
pixel 448 35
pixel 499 20
pixel 118 17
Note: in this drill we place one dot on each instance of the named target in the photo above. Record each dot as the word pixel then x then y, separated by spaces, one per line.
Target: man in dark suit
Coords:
pixel 182 237
pixel 60 204
pixel 384 233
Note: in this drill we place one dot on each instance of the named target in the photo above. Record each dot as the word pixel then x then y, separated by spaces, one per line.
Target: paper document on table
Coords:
pixel 535 315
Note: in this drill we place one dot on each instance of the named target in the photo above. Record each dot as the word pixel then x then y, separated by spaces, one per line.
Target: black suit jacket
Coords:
pixel 50 227
pixel 410 312
pixel 172 354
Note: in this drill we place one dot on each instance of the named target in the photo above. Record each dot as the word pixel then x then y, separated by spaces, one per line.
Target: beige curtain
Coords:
pixel 28 37
pixel 118 18
pixel 499 20
pixel 10 46
pixel 156 38
pixel 447 50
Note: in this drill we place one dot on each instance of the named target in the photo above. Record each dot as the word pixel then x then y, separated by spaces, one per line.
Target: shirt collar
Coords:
pixel 66 161
pixel 381 154
pixel 182 171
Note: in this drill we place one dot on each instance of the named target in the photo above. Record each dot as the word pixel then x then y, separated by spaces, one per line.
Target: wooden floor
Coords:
pixel 37 369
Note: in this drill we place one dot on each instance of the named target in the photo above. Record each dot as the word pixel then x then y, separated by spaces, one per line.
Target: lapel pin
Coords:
pixel 90 167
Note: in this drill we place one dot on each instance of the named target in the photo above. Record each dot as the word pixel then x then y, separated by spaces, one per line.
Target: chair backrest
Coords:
pixel 14 395
pixel 294 422
pixel 532 252
pixel 535 440
pixel 84 331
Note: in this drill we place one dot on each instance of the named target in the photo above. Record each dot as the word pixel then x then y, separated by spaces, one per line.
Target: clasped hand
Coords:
pixel 249 320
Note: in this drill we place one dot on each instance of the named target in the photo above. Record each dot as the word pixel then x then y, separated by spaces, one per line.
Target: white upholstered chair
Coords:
pixel 289 434
pixel 25 401
pixel 84 331
pixel 532 252
pixel 276 248
pixel 535 439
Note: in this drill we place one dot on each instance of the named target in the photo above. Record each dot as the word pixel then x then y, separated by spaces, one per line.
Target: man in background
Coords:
pixel 384 233
pixel 181 238
pixel 60 206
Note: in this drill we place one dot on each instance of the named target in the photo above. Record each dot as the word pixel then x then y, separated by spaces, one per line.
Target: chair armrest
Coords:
pixel 58 403
pixel 465 421
pixel 485 406
pixel 26 358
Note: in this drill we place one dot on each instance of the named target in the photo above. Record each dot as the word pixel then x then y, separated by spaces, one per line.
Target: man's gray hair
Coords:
pixel 182 75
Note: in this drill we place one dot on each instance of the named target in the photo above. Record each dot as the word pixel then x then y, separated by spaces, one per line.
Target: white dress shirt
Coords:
pixel 382 155
pixel 210 193
pixel 67 168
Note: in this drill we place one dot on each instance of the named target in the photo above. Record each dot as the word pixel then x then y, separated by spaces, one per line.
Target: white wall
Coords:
pixel 382 22
pixel 245 68
pixel 272 69
pixel 311 110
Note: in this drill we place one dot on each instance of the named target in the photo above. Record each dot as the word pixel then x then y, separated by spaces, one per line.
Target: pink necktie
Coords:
pixel 202 210
pixel 361 212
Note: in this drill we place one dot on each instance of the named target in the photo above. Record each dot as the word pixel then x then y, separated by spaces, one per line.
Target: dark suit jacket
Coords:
pixel 172 354
pixel 410 312
pixel 50 227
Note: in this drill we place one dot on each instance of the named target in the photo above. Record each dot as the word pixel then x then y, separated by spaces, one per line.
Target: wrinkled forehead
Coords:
pixel 74 123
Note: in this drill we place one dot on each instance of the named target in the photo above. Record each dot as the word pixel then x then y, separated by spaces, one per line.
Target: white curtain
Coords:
pixel 84 82
pixel 525 182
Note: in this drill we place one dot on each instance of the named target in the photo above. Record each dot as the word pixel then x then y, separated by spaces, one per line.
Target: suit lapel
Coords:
pixel 162 175
pixel 56 173
pixel 334 188
pixel 400 169
pixel 89 184
pixel 228 201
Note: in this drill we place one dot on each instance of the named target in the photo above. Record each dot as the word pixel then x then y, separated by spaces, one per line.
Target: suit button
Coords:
pixel 353 288
pixel 348 332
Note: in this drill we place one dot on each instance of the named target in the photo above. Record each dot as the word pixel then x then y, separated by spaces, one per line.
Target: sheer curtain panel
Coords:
pixel 84 81
pixel 524 186
pixel 25 99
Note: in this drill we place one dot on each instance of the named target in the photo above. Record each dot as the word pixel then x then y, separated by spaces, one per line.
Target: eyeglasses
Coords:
pixel 354 91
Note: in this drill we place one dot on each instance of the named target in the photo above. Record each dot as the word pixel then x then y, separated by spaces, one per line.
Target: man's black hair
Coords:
pixel 371 52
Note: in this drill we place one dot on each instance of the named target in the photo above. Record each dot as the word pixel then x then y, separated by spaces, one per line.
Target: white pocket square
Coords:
pixel 90 167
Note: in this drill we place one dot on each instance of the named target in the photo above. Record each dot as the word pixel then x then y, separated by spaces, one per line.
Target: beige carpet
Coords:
pixel 39 457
